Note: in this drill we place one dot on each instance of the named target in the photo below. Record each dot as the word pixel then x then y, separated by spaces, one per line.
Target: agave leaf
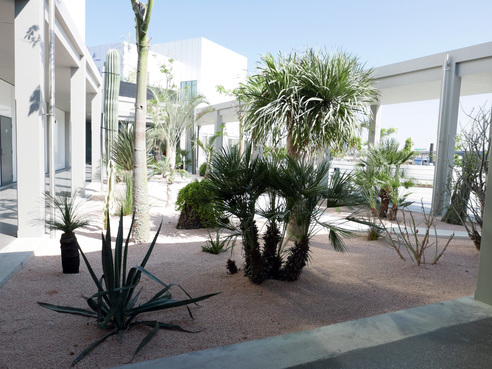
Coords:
pixel 169 326
pixel 108 267
pixel 118 251
pixel 147 338
pixel 161 304
pixel 91 272
pixel 68 310
pixel 91 347
pixel 151 247
pixel 125 256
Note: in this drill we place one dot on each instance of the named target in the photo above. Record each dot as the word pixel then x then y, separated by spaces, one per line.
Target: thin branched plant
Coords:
pixel 406 236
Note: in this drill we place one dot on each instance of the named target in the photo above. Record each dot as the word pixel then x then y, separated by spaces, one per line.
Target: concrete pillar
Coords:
pixel 219 141
pixel 29 50
pixel 375 125
pixel 96 121
pixel 446 134
pixel 77 126
pixel 484 285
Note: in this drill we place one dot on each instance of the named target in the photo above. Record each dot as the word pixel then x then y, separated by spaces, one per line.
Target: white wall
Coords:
pixel 187 52
pixel 76 9
pixel 60 143
pixel 208 63
pixel 129 59
pixel 220 66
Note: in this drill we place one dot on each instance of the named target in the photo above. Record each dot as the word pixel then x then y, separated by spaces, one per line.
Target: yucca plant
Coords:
pixel 67 219
pixel 114 305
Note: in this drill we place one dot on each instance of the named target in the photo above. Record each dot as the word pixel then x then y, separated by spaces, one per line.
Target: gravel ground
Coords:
pixel 367 280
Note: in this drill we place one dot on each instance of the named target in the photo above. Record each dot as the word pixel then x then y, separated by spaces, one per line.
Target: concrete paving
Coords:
pixel 412 338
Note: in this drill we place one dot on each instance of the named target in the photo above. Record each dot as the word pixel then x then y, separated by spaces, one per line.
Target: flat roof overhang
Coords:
pixel 421 79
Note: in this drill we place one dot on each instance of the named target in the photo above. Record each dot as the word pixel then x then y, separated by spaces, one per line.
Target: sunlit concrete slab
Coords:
pixel 310 347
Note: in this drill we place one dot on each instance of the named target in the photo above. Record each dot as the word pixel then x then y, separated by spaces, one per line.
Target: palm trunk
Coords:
pixel 141 229
pixel 171 155
pixel 296 261
pixel 70 257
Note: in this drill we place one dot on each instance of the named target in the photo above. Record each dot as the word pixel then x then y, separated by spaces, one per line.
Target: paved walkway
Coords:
pixel 452 334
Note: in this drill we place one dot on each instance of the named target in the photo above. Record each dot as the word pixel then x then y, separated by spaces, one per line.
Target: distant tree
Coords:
pixel 172 113
pixel 313 100
pixel 141 229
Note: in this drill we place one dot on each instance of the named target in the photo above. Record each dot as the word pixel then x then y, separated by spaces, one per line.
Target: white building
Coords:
pixel 198 64
pixel 24 100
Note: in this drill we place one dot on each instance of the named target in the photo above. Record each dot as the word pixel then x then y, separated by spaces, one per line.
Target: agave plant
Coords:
pixel 114 305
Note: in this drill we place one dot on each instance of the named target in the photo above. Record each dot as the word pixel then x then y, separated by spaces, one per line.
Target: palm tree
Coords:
pixel 297 192
pixel 313 100
pixel 380 175
pixel 303 186
pixel 141 230
pixel 172 113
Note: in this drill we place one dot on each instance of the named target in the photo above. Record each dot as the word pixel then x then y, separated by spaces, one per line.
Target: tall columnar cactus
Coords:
pixel 111 93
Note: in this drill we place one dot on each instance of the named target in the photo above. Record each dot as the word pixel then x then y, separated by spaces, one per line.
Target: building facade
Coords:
pixel 24 94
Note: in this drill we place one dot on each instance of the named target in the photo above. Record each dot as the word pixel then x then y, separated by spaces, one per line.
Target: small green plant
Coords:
pixel 407 237
pixel 374 233
pixel 196 203
pixel 203 169
pixel 216 245
pixel 114 305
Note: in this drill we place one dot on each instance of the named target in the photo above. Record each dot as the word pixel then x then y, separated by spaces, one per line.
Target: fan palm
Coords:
pixel 237 181
pixel 313 100
pixel 380 174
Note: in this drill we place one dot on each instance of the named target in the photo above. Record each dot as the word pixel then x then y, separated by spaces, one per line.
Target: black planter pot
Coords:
pixel 70 257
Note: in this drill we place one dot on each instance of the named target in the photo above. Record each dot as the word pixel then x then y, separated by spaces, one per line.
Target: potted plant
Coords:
pixel 66 219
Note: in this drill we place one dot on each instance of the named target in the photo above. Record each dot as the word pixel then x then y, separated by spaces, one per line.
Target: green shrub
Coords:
pixel 196 203
pixel 203 169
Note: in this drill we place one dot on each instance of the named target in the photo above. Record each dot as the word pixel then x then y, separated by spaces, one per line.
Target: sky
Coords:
pixel 378 32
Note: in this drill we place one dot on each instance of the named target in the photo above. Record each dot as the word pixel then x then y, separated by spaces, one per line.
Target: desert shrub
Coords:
pixel 203 169
pixel 405 237
pixel 114 305
pixel 196 203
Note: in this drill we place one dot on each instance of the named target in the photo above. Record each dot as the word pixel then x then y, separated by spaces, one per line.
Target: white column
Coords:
pixel 77 126
pixel 29 50
pixel 219 141
pixel 96 118
pixel 446 134
pixel 375 125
